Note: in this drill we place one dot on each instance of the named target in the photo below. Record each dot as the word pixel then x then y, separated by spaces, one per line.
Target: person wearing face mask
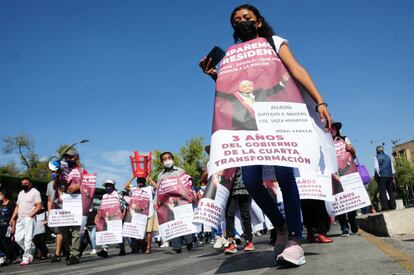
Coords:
pixel 6 244
pixel 113 195
pixel 249 24
pixel 170 170
pixel 28 205
pixel 69 181
pixel 152 223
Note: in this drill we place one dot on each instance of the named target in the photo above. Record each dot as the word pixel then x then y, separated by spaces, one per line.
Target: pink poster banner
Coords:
pixel 88 187
pixel 175 209
pixel 262 117
pixel 348 189
pixel 109 225
pixel 139 209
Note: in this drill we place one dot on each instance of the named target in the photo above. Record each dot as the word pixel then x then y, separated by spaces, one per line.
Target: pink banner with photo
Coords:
pixel 261 116
pixel 88 187
pixel 347 186
pixel 175 209
pixel 109 226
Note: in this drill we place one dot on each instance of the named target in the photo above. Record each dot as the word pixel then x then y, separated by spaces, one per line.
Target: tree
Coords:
pixel 34 167
pixel 193 159
pixel 405 179
pixel 24 145
pixel 10 169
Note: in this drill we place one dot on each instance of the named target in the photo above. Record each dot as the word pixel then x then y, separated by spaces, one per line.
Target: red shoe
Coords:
pixel 322 239
pixel 231 249
pixel 249 246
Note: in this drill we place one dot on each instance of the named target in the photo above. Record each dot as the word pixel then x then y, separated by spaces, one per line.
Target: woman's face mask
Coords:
pixel 168 163
pixel 109 189
pixel 1 197
pixel 246 30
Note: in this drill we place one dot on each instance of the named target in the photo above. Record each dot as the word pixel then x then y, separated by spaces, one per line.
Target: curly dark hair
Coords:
pixel 265 30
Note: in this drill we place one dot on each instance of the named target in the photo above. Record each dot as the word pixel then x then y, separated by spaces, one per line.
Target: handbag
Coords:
pixel 363 173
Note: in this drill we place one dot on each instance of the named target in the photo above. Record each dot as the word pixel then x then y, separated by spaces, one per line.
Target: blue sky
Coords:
pixel 125 74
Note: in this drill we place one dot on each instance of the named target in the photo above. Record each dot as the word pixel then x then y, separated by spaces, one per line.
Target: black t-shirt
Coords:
pixel 6 212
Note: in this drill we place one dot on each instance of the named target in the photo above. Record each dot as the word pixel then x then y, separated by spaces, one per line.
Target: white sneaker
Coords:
pixel 165 244
pixel 293 255
pixel 2 260
pixel 219 243
pixel 93 252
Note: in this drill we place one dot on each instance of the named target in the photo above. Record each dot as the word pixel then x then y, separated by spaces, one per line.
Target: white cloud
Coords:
pixel 116 157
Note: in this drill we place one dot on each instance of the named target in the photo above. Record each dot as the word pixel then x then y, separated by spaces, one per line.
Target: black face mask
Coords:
pixel 26 188
pixel 246 30
pixel 71 163
pixel 109 190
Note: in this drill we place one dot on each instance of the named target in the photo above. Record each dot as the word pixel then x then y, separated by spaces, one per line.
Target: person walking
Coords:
pixel 28 205
pixel 384 175
pixel 249 24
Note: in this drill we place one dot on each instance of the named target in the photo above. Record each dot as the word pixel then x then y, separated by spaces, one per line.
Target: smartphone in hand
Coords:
pixel 216 55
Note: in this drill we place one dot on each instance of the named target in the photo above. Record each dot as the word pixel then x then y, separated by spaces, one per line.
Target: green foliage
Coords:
pixel 24 146
pixel 404 179
pixel 191 158
pixel 33 166
pixel 372 190
pixel 10 169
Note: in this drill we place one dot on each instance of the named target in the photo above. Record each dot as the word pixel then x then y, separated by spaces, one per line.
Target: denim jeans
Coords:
pixel 177 243
pixel 92 235
pixel 252 179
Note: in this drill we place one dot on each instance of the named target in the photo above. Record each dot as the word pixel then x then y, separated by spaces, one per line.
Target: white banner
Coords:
pixel 70 214
pixel 181 225
pixel 210 212
pixel 136 228
pixel 112 234
pixel 354 195
pixel 315 187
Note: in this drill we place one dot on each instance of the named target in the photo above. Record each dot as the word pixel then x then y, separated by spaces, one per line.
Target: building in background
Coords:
pixel 404 150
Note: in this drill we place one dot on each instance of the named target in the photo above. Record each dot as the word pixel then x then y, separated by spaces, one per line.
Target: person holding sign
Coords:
pixel 141 202
pixel 345 154
pixel 249 25
pixel 69 183
pixel 174 193
pixel 109 219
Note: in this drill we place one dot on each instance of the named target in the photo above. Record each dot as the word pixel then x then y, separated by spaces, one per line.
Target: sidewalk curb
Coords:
pixel 405 260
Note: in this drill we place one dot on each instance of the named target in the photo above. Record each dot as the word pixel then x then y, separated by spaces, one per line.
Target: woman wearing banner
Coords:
pixel 147 209
pixel 173 190
pixel 113 208
pixel 345 154
pixel 249 24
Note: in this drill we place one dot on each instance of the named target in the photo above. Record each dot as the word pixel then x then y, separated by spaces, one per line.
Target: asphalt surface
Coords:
pixel 351 255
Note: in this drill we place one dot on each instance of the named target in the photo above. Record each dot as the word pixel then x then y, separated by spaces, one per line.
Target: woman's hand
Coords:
pixel 205 65
pixel 325 115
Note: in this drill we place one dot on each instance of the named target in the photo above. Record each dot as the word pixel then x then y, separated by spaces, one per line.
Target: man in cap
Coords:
pixel 384 175
pixel 69 181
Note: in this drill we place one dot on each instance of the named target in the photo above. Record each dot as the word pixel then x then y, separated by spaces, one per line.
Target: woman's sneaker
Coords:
pixel 345 233
pixel 231 249
pixel 292 255
pixel 282 237
pixel 249 246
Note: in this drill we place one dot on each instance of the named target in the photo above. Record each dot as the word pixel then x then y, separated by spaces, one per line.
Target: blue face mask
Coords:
pixel 203 188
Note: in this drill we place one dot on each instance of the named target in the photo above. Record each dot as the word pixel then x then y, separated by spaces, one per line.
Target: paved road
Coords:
pixel 353 255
